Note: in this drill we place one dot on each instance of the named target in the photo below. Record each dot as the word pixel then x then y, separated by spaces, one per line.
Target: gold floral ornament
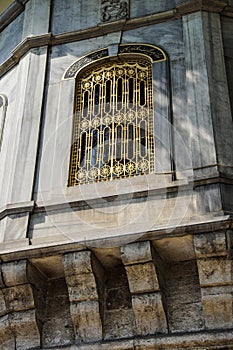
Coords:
pixel 118 169
pixel 119 118
pixel 107 120
pixel 131 71
pixel 97 78
pixel 81 175
pixel 143 165
pixel 96 122
pixel 85 124
pixel 130 116
pixel 105 170
pixel 130 167
pixel 120 71
pixel 93 173
pixel 142 75
pixel 142 113
pixel 108 75
pixel 86 85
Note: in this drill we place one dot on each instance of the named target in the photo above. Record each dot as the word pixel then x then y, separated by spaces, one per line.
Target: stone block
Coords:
pixel 185 318
pixel 77 263
pixel 23 325
pixel 139 252
pixel 82 287
pixel 215 271
pixel 7 340
pixel 1 279
pixel 119 324
pixel 18 298
pixel 14 273
pixel 210 244
pixel 3 309
pixel 149 314
pixel 142 278
pixel 218 311
pixel 86 320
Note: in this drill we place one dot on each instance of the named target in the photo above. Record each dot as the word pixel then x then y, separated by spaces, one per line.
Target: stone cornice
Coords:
pixel 85 202
pixel 59 244
pixel 221 7
pixel 16 208
pixel 11 13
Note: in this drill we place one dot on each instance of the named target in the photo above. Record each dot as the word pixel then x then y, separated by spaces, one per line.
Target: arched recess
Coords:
pixel 160 86
pixel 3 109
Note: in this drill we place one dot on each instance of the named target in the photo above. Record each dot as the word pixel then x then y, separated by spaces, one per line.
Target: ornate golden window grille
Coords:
pixel 113 123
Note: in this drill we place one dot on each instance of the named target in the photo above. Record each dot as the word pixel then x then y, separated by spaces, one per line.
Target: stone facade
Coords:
pixel 138 263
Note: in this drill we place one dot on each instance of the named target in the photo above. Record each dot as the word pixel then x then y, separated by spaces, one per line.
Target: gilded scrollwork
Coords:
pixel 113 10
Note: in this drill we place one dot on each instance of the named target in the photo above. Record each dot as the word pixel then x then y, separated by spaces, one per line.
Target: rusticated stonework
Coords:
pixel 113 10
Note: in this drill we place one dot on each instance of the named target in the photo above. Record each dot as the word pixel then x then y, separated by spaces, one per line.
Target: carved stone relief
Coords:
pixel 113 10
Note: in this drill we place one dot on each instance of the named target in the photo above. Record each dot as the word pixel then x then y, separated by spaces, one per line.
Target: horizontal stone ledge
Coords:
pixel 61 244
pixel 16 208
pixel 192 340
pixel 107 28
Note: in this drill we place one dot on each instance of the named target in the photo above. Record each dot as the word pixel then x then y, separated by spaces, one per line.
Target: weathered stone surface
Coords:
pixel 56 320
pixel 215 271
pixel 218 311
pixel 142 278
pixel 77 263
pixel 24 327
pixel 136 253
pixel 118 324
pixel 210 244
pixel 82 287
pixel 18 298
pixel 3 309
pixel 186 317
pixel 86 320
pixel 7 339
pixel 149 314
pixel 15 273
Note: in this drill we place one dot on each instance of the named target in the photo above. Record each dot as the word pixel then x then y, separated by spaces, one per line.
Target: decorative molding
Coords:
pixel 11 13
pixel 84 61
pixel 16 208
pixel 155 54
pixel 111 27
pixel 113 10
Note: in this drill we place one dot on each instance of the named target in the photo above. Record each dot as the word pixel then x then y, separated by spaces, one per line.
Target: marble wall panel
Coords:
pixel 73 15
pixel 198 94
pixel 10 37
pixel 8 87
pixel 36 17
pixel 168 36
pixel 147 7
pixel 29 103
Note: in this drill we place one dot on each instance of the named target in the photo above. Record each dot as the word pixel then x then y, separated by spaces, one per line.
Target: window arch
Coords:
pixel 113 130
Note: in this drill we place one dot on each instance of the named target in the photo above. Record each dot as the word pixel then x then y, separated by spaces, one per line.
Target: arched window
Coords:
pixel 113 128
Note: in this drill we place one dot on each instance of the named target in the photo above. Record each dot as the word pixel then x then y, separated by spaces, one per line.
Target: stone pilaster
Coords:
pixel 17 306
pixel 83 295
pixel 144 287
pixel 215 274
